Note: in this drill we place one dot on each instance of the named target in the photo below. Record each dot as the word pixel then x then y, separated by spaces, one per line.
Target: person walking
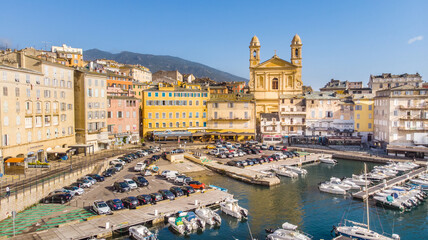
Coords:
pixel 7 191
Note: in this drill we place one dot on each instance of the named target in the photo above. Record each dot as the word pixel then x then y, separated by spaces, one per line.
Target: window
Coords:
pixel 119 114
pixel 246 125
pixel 28 92
pixel 157 125
pixel 320 114
pixel 230 124
pixel 29 135
pixel 170 124
pixel 408 137
pixel 358 126
pixel 358 116
pixel 230 105
pixel 358 107
pixel 163 115
pixel 184 124
pixel 215 105
pixel 215 124
pixel 275 83
pixel 190 114
pixel 246 115
pixel 6 140
pixel 370 116
pixel 170 115
pixel 197 103
pixel 196 114
pixel 230 115
pixel 204 114
pixel 329 114
pixel 395 112
pixel 38 121
pixel 127 114
pixel 150 125
pixel 149 94
pixel 156 94
pixel 370 107
pixel 246 105
pixel 370 126
pixel 184 115
pixel 5 91
pixel 157 115
pixel 177 124
pixel 177 115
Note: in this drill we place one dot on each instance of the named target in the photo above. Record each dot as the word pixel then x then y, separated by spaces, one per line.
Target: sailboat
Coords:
pixel 362 231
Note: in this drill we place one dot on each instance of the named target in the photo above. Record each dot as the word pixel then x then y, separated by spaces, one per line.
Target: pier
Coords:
pixel 389 183
pixel 252 174
pixel 103 225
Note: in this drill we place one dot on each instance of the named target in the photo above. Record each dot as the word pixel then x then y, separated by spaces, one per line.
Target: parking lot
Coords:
pixel 104 190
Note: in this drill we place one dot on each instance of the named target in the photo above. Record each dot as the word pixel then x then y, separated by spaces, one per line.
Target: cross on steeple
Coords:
pixel 275 52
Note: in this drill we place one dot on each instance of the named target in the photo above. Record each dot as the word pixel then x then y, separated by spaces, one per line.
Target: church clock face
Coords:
pixel 296 61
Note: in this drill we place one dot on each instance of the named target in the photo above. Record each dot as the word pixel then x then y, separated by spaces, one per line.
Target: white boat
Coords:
pixel 337 182
pixel 419 182
pixel 282 234
pixel 141 232
pixel 297 170
pixel 177 225
pixel 209 216
pixel 327 159
pixel 353 185
pixel 230 207
pixel 387 172
pixel 359 180
pixel 362 231
pixel 193 221
pixel 391 202
pixel 331 188
pixel 284 172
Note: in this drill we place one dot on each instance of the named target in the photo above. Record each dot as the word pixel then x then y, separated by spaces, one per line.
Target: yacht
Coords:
pixel 353 185
pixel 141 232
pixel 337 182
pixel 297 170
pixel 230 207
pixel 327 159
pixel 359 180
pixel 362 231
pixel 288 232
pixel 284 172
pixel 332 188
pixel 209 216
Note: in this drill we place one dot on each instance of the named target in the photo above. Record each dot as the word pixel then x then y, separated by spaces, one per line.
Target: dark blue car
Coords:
pixel 115 204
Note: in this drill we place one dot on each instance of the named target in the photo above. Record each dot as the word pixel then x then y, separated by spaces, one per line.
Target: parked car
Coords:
pixel 156 197
pixel 196 185
pixel 144 199
pixel 142 153
pixel 115 204
pixel 210 147
pixel 97 177
pixel 295 153
pixel 126 159
pixel 63 190
pixel 188 189
pixel 76 190
pixel 77 184
pixel 100 207
pixel 140 181
pixel 57 198
pixel 177 191
pixel 121 187
pixel 140 166
pixel 179 150
pixel 109 172
pixel 85 182
pixel 131 183
pixel 179 179
pixel 91 179
pixel 130 202
pixel 232 163
pixel 275 157
pixel 118 167
pixel 166 194
pixel 186 180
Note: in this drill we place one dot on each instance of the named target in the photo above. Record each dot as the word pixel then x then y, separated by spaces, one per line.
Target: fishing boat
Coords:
pixel 230 207
pixel 209 216
pixel 327 159
pixel 141 232
pixel 362 231
pixel 288 232
pixel 178 226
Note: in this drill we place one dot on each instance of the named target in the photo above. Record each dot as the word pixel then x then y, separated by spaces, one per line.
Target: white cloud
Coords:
pixel 412 40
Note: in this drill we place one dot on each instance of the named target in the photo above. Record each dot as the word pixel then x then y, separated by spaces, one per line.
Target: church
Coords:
pixel 275 77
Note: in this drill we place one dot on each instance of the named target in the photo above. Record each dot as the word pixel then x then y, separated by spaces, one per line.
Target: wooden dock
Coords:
pixel 126 218
pixel 389 183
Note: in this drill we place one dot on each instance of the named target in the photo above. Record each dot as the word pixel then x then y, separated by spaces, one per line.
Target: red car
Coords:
pixel 197 185
pixel 284 148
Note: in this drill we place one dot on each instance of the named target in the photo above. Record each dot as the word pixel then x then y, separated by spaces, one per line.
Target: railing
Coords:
pixel 293 124
pixel 292 113
pixel 38 111
pixel 412 128
pixel 413 118
pixel 231 119
pixel 419 106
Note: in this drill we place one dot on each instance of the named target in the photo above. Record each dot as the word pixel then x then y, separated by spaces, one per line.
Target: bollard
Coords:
pixel 107 225
pixel 196 202
pixel 156 212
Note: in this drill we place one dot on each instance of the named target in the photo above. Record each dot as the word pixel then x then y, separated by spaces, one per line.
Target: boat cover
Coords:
pixel 178 221
pixel 289 226
pixel 190 216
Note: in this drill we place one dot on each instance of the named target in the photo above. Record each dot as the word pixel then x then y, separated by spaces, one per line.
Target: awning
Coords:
pixel 15 160
pixel 59 150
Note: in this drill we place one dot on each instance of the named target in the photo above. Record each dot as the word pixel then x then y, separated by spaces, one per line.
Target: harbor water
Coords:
pixel 300 202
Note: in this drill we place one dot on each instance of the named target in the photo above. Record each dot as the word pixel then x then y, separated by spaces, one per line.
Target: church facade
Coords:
pixel 275 77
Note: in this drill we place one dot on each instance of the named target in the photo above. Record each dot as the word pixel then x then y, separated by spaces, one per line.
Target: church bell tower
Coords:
pixel 296 51
pixel 254 52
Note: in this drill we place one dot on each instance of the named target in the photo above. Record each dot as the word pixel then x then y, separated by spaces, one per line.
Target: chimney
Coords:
pixel 22 59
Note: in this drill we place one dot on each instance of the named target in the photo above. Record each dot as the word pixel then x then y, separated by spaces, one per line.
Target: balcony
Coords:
pixel 55 111
pixel 413 128
pixel 38 111
pixel 28 112
pixel 92 131
pixel 231 119
pixel 292 113
pixel 414 107
pixel 413 118
pixel 292 124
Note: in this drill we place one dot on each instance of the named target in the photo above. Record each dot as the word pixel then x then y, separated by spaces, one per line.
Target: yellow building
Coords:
pixel 274 77
pixel 68 56
pixel 174 108
pixel 231 116
pixel 363 116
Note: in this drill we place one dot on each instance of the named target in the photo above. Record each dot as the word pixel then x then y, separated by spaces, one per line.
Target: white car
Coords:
pixel 62 190
pixel 170 176
pixel 116 161
pixel 131 183
pixel 229 145
pixel 264 147
pixel 179 179
pixel 100 207
pixel 235 154
pixel 240 153
pixel 76 190
pixel 140 166
pixel 92 180
pixel 144 153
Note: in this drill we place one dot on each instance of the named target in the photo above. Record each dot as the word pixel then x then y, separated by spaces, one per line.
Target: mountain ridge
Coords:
pixel 164 62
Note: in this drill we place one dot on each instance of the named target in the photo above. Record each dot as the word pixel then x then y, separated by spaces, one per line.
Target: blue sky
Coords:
pixel 347 40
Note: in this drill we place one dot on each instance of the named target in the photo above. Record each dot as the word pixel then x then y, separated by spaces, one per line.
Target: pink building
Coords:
pixel 122 115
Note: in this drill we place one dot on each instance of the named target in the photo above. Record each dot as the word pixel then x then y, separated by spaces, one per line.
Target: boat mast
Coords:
pixel 367 197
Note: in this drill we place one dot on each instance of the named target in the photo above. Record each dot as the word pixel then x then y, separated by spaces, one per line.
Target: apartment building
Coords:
pixel 169 107
pixel 292 115
pixel 231 116
pixel 37 108
pixel 388 80
pixel 138 73
pixel 91 109
pixel 122 115
pixel 270 128
pixel 364 116
pixel 66 55
pixel 401 118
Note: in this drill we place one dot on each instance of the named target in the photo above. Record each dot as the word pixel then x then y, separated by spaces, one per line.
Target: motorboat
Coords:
pixel 419 182
pixel 178 226
pixel 337 182
pixel 387 172
pixel 297 170
pixel 353 185
pixel 375 176
pixel 141 232
pixel 288 232
pixel 332 188
pixel 327 159
pixel 391 202
pixel 359 180
pixel 209 216
pixel 230 207
pixel 284 172
pixel 193 221
pixel 362 231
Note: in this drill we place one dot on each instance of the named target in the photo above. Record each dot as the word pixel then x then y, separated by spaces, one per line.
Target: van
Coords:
pixel 171 175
